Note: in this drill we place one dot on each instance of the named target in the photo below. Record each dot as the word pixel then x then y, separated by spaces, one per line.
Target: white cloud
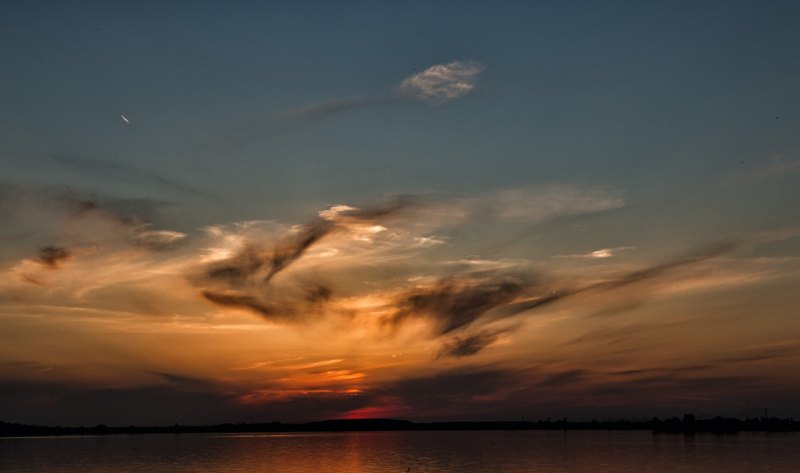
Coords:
pixel 604 253
pixel 335 211
pixel 429 241
pixel 442 82
pixel 599 254
pixel 159 238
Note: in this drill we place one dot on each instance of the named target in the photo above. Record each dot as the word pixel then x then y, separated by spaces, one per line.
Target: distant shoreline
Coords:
pixel 687 425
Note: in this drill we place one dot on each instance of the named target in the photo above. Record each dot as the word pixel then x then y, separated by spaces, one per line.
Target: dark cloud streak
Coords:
pixel 109 169
pixel 472 343
pixel 260 265
pixel 242 281
pixel 53 256
pixel 76 203
pixel 451 304
pixel 240 301
pixel 282 122
pixel 456 302
pixel 106 170
pixel 562 378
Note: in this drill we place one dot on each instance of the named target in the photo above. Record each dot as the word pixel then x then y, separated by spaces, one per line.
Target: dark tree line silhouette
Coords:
pixel 687 425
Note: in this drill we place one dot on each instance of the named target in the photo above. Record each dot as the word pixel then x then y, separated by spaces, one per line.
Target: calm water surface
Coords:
pixel 473 452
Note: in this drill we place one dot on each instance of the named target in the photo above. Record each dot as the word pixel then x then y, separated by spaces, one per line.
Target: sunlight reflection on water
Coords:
pixel 431 452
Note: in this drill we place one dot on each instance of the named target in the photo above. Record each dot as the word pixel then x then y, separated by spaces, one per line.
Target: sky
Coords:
pixel 257 211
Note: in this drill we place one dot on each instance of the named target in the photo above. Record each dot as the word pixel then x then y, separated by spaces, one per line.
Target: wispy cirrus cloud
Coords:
pixel 537 204
pixel 459 304
pixel 771 169
pixel 302 116
pixel 435 85
pixel 362 267
pixel 349 239
pixel 103 169
pixel 372 278
pixel 65 218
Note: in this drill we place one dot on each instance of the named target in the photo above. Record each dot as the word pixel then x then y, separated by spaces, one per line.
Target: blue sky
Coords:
pixel 632 96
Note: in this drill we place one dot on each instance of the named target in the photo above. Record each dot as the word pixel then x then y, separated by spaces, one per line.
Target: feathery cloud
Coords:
pixel 442 82
pixel 436 85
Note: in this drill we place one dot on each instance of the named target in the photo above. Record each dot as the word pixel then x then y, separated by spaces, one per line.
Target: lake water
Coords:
pixel 424 452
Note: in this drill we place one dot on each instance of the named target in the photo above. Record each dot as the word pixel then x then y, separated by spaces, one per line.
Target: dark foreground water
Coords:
pixel 468 452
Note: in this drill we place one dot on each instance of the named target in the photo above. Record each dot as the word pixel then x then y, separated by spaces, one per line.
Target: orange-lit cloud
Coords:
pixel 263 314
